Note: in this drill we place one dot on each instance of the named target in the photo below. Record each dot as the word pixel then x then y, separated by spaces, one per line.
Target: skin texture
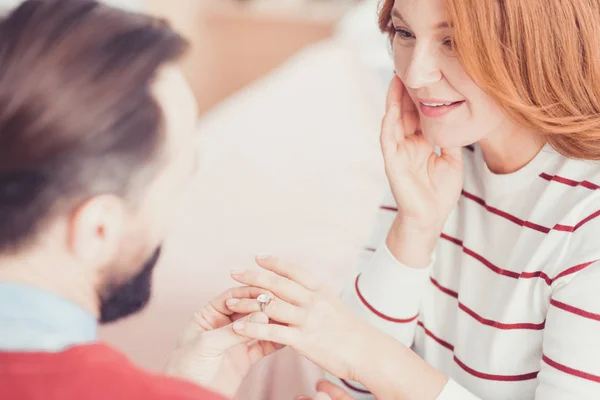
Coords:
pixel 311 319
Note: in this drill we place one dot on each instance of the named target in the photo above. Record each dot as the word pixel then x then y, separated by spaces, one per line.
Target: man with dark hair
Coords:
pixel 96 149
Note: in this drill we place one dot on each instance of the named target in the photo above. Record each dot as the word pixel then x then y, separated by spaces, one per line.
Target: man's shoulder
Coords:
pixel 93 372
pixel 147 384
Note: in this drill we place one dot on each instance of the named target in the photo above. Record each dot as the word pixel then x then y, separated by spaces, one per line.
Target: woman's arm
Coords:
pixel 570 367
pixel 385 292
pixel 317 324
pixel 424 190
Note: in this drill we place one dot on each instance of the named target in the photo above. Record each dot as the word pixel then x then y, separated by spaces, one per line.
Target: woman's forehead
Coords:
pixel 425 13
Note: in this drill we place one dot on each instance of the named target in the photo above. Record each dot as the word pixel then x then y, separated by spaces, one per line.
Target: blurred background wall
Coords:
pixel 128 4
pixel 236 42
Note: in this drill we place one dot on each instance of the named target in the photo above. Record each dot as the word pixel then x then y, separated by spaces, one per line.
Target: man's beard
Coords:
pixel 123 299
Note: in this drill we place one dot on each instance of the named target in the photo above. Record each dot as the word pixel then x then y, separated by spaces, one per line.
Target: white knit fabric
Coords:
pixel 510 307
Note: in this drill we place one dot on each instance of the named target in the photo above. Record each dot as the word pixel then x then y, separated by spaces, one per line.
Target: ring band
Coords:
pixel 263 301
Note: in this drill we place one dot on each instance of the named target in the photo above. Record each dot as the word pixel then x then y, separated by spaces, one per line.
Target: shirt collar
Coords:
pixel 35 320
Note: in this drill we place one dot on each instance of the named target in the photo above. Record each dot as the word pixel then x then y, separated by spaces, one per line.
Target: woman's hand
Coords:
pixel 426 186
pixel 211 354
pixel 317 324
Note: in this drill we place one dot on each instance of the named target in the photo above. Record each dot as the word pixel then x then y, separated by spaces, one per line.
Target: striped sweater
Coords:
pixel 510 307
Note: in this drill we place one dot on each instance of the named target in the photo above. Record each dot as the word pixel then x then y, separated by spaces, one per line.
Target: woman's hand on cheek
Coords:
pixel 312 319
pixel 426 186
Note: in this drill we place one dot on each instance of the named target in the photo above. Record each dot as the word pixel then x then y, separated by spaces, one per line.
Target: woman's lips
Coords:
pixel 434 109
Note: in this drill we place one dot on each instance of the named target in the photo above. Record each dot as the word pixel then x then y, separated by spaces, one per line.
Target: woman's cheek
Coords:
pixel 402 57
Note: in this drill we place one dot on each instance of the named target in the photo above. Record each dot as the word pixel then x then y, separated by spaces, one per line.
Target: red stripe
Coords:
pixel 352 387
pixel 566 228
pixel 569 182
pixel 437 339
pixel 500 271
pixel 504 214
pixel 517 220
pixel 501 325
pixel 485 321
pixel 570 371
pixel 379 314
pixel 537 274
pixel 443 289
pixel 575 310
pixel 491 377
pixel 512 274
pixel 527 224
pixel 572 270
pixel 456 241
pixel 478 374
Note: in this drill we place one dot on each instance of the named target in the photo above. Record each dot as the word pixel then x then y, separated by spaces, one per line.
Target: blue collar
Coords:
pixel 36 320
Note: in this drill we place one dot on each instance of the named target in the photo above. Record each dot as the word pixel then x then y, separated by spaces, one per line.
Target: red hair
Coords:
pixel 538 59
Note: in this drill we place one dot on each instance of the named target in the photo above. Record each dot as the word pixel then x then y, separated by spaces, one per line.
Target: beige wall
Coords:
pixel 128 4
pixel 234 43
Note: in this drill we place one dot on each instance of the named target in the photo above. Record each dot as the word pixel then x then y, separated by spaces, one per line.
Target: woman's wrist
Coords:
pixel 373 370
pixel 393 371
pixel 411 244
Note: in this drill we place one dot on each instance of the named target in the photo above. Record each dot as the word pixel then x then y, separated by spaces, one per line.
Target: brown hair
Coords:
pixel 77 113
pixel 539 60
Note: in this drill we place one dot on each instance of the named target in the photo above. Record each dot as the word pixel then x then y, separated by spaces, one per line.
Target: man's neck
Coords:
pixel 53 276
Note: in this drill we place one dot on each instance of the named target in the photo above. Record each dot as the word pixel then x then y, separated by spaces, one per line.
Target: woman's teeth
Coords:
pixel 437 104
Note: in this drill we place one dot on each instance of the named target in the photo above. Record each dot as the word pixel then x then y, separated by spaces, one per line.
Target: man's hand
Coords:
pixel 328 391
pixel 211 354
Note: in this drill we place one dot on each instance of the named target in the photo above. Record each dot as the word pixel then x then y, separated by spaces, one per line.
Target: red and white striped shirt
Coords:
pixel 510 307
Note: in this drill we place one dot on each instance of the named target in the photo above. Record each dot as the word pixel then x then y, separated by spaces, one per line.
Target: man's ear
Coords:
pixel 96 229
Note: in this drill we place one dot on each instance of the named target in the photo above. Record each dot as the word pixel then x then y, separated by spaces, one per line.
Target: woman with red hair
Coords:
pixel 483 272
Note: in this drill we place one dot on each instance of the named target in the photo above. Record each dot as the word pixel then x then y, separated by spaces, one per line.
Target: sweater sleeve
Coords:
pixel 388 294
pixel 384 292
pixel 570 367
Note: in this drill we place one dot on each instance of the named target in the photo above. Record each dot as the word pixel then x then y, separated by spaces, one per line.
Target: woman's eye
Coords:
pixel 448 43
pixel 403 33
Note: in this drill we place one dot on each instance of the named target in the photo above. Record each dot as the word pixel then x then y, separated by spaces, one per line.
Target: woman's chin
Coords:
pixel 444 140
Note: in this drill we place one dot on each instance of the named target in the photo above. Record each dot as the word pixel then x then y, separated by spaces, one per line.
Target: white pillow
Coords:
pixel 360 31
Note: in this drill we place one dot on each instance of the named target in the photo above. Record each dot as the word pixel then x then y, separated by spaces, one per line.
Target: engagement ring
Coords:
pixel 263 300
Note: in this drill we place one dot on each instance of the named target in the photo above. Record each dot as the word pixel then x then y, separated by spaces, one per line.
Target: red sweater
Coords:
pixel 90 372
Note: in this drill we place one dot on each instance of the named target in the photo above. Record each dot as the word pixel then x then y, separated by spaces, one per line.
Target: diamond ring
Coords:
pixel 263 301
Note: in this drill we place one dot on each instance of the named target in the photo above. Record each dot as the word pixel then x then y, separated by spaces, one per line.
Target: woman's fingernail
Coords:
pixel 237 271
pixel 261 318
pixel 238 326
pixel 262 256
pixel 232 302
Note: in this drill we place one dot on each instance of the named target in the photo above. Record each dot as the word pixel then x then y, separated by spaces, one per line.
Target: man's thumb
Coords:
pixel 222 339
